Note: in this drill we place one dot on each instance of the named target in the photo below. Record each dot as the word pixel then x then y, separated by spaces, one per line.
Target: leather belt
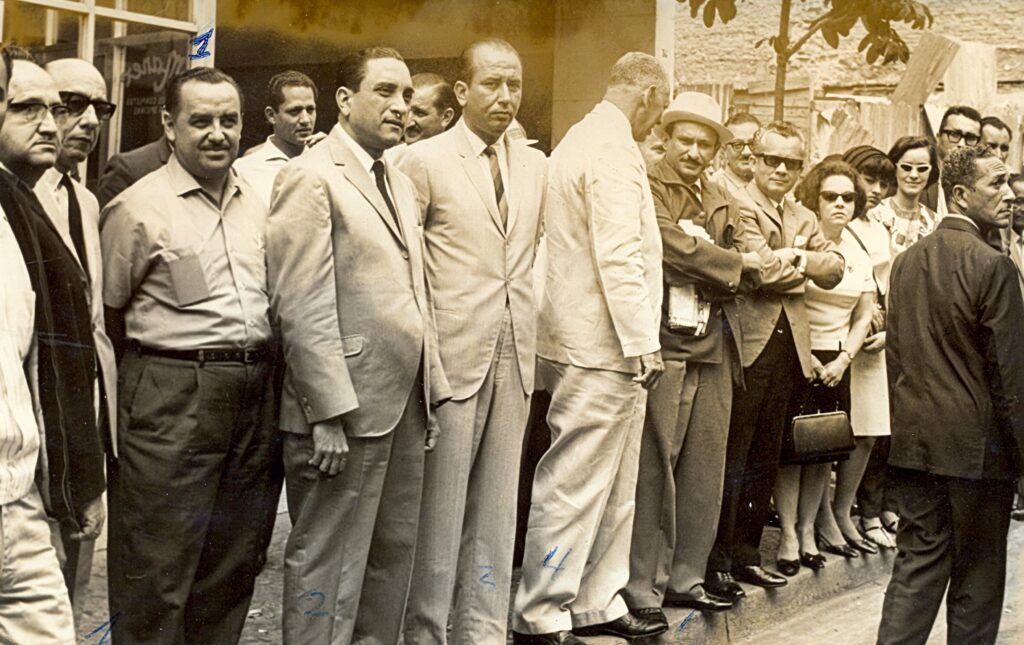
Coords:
pixel 248 355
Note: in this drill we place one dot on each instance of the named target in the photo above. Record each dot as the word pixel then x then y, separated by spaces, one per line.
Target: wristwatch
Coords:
pixel 801 255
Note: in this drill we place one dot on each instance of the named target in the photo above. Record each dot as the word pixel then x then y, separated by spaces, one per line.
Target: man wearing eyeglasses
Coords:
pixel 996 136
pixel 739 157
pixel 776 352
pixel 73 451
pixel 74 212
pixel 960 128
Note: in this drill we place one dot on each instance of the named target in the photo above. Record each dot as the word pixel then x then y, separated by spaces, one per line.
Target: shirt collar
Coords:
pixel 964 218
pixel 362 156
pixel 51 179
pixel 270 152
pixel 479 145
pixel 182 181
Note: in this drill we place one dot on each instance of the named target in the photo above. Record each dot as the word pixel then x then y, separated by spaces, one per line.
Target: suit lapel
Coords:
pixel 358 177
pixel 766 205
pixel 481 182
pixel 517 174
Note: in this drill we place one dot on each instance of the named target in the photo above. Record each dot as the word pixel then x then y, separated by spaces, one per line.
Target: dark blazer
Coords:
pixel 67 356
pixel 955 356
pixel 125 169
pixel 716 269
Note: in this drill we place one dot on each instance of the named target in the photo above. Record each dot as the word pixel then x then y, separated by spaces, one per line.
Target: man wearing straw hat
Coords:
pixel 682 452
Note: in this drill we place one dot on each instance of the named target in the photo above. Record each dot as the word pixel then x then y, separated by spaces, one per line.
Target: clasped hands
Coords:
pixel 330 445
pixel 830 375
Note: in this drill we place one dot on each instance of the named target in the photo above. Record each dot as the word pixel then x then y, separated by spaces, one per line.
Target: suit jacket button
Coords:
pixel 405 255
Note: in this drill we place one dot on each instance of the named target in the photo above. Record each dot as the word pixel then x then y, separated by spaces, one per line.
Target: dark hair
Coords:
pixel 783 129
pixel 965 111
pixel 960 168
pixel 444 95
pixel 742 117
pixel 809 190
pixel 352 68
pixel 996 122
pixel 211 75
pixel 290 78
pixel 467 60
pixel 14 52
pixel 906 144
pixel 870 161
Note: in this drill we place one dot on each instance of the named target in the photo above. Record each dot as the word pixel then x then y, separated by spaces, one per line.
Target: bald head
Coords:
pixel 29 138
pixel 80 83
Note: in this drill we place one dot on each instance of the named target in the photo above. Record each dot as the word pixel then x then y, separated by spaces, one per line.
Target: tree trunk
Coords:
pixel 782 54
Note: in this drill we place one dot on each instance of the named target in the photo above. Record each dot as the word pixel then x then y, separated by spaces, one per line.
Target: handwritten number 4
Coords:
pixel 202 41
pixel 550 558
pixel 105 628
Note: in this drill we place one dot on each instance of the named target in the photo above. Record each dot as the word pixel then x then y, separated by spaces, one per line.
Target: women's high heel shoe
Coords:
pixel 788 568
pixel 813 561
pixel 844 550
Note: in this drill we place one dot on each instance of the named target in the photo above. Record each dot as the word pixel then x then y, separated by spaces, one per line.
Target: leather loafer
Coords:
pixel 651 613
pixel 552 638
pixel 701 600
pixel 721 584
pixel 755 575
pixel 629 627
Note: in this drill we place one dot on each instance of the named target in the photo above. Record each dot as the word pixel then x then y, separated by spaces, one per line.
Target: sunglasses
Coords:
pixel 772 161
pixel 954 136
pixel 77 104
pixel 829 196
pixel 1001 147
pixel 923 169
pixel 737 145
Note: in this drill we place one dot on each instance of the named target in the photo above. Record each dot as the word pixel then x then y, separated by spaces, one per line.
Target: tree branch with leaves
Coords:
pixel 881 43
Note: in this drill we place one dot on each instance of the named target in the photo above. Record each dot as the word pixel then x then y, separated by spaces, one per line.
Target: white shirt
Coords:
pixel 830 311
pixel 500 151
pixel 19 431
pixel 260 169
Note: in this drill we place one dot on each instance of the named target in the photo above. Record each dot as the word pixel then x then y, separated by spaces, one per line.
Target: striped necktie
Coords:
pixel 499 187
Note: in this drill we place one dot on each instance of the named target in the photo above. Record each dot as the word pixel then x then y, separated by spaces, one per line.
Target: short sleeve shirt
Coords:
pixel 830 311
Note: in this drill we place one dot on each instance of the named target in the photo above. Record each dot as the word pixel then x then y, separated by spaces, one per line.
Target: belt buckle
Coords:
pixel 249 355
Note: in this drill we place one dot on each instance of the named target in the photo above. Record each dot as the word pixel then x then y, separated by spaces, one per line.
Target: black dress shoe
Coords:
pixel 651 613
pixel 844 549
pixel 755 575
pixel 629 627
pixel 814 561
pixel 721 584
pixel 788 568
pixel 701 600
pixel 552 638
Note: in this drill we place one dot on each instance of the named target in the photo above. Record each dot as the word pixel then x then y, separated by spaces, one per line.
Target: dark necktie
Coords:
pixel 499 187
pixel 378 173
pixel 75 224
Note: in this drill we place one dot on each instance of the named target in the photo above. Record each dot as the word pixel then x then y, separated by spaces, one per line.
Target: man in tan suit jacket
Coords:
pixel 598 348
pixel 776 351
pixel 480 193
pixel 344 256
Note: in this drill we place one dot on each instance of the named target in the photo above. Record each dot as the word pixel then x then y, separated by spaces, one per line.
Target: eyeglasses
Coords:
pixel 999 147
pixel 77 104
pixel 34 111
pixel 908 168
pixel 829 196
pixel 738 145
pixel 772 161
pixel 954 136
pixel 1018 202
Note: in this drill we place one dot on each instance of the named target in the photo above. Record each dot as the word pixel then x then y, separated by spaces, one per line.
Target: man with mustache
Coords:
pixel 74 211
pixel 188 309
pixel 480 194
pixel 953 352
pixel 739 157
pixel 35 607
pixel 432 109
pixel 345 260
pixel 291 111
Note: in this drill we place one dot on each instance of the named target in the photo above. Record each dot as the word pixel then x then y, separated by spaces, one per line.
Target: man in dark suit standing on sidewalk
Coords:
pixel 953 351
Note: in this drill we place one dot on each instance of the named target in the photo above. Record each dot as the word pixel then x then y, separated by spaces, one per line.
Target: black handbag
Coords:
pixel 818 438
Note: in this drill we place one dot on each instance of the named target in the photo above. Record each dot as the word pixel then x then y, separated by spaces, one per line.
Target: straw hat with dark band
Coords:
pixel 698 108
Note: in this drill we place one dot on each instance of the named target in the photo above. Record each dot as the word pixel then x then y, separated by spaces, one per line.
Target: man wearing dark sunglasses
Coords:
pixel 74 212
pixel 996 136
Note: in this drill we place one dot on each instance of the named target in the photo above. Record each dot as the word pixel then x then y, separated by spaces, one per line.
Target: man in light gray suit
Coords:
pixel 480 193
pixel 598 348
pixel 345 267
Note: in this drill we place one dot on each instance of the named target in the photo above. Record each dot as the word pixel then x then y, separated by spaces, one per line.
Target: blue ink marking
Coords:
pixel 488 577
pixel 319 598
pixel 561 563
pixel 202 41
pixel 105 628
pixel 686 620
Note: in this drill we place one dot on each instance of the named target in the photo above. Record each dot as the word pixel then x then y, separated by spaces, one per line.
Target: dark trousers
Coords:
pixel 752 456
pixel 876 492
pixel 952 533
pixel 193 482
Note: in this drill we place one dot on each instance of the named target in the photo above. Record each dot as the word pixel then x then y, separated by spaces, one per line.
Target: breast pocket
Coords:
pixel 188 280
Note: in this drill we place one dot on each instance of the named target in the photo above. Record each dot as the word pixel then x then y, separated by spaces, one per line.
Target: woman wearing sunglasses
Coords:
pixel 839 321
pixel 917 168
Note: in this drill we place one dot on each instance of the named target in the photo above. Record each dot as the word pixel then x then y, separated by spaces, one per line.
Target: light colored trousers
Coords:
pixel 468 514
pixel 348 559
pixel 576 557
pixel 679 488
pixel 34 605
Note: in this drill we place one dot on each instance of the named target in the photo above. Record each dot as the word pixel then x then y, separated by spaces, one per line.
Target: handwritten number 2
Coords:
pixel 317 597
pixel 488 577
